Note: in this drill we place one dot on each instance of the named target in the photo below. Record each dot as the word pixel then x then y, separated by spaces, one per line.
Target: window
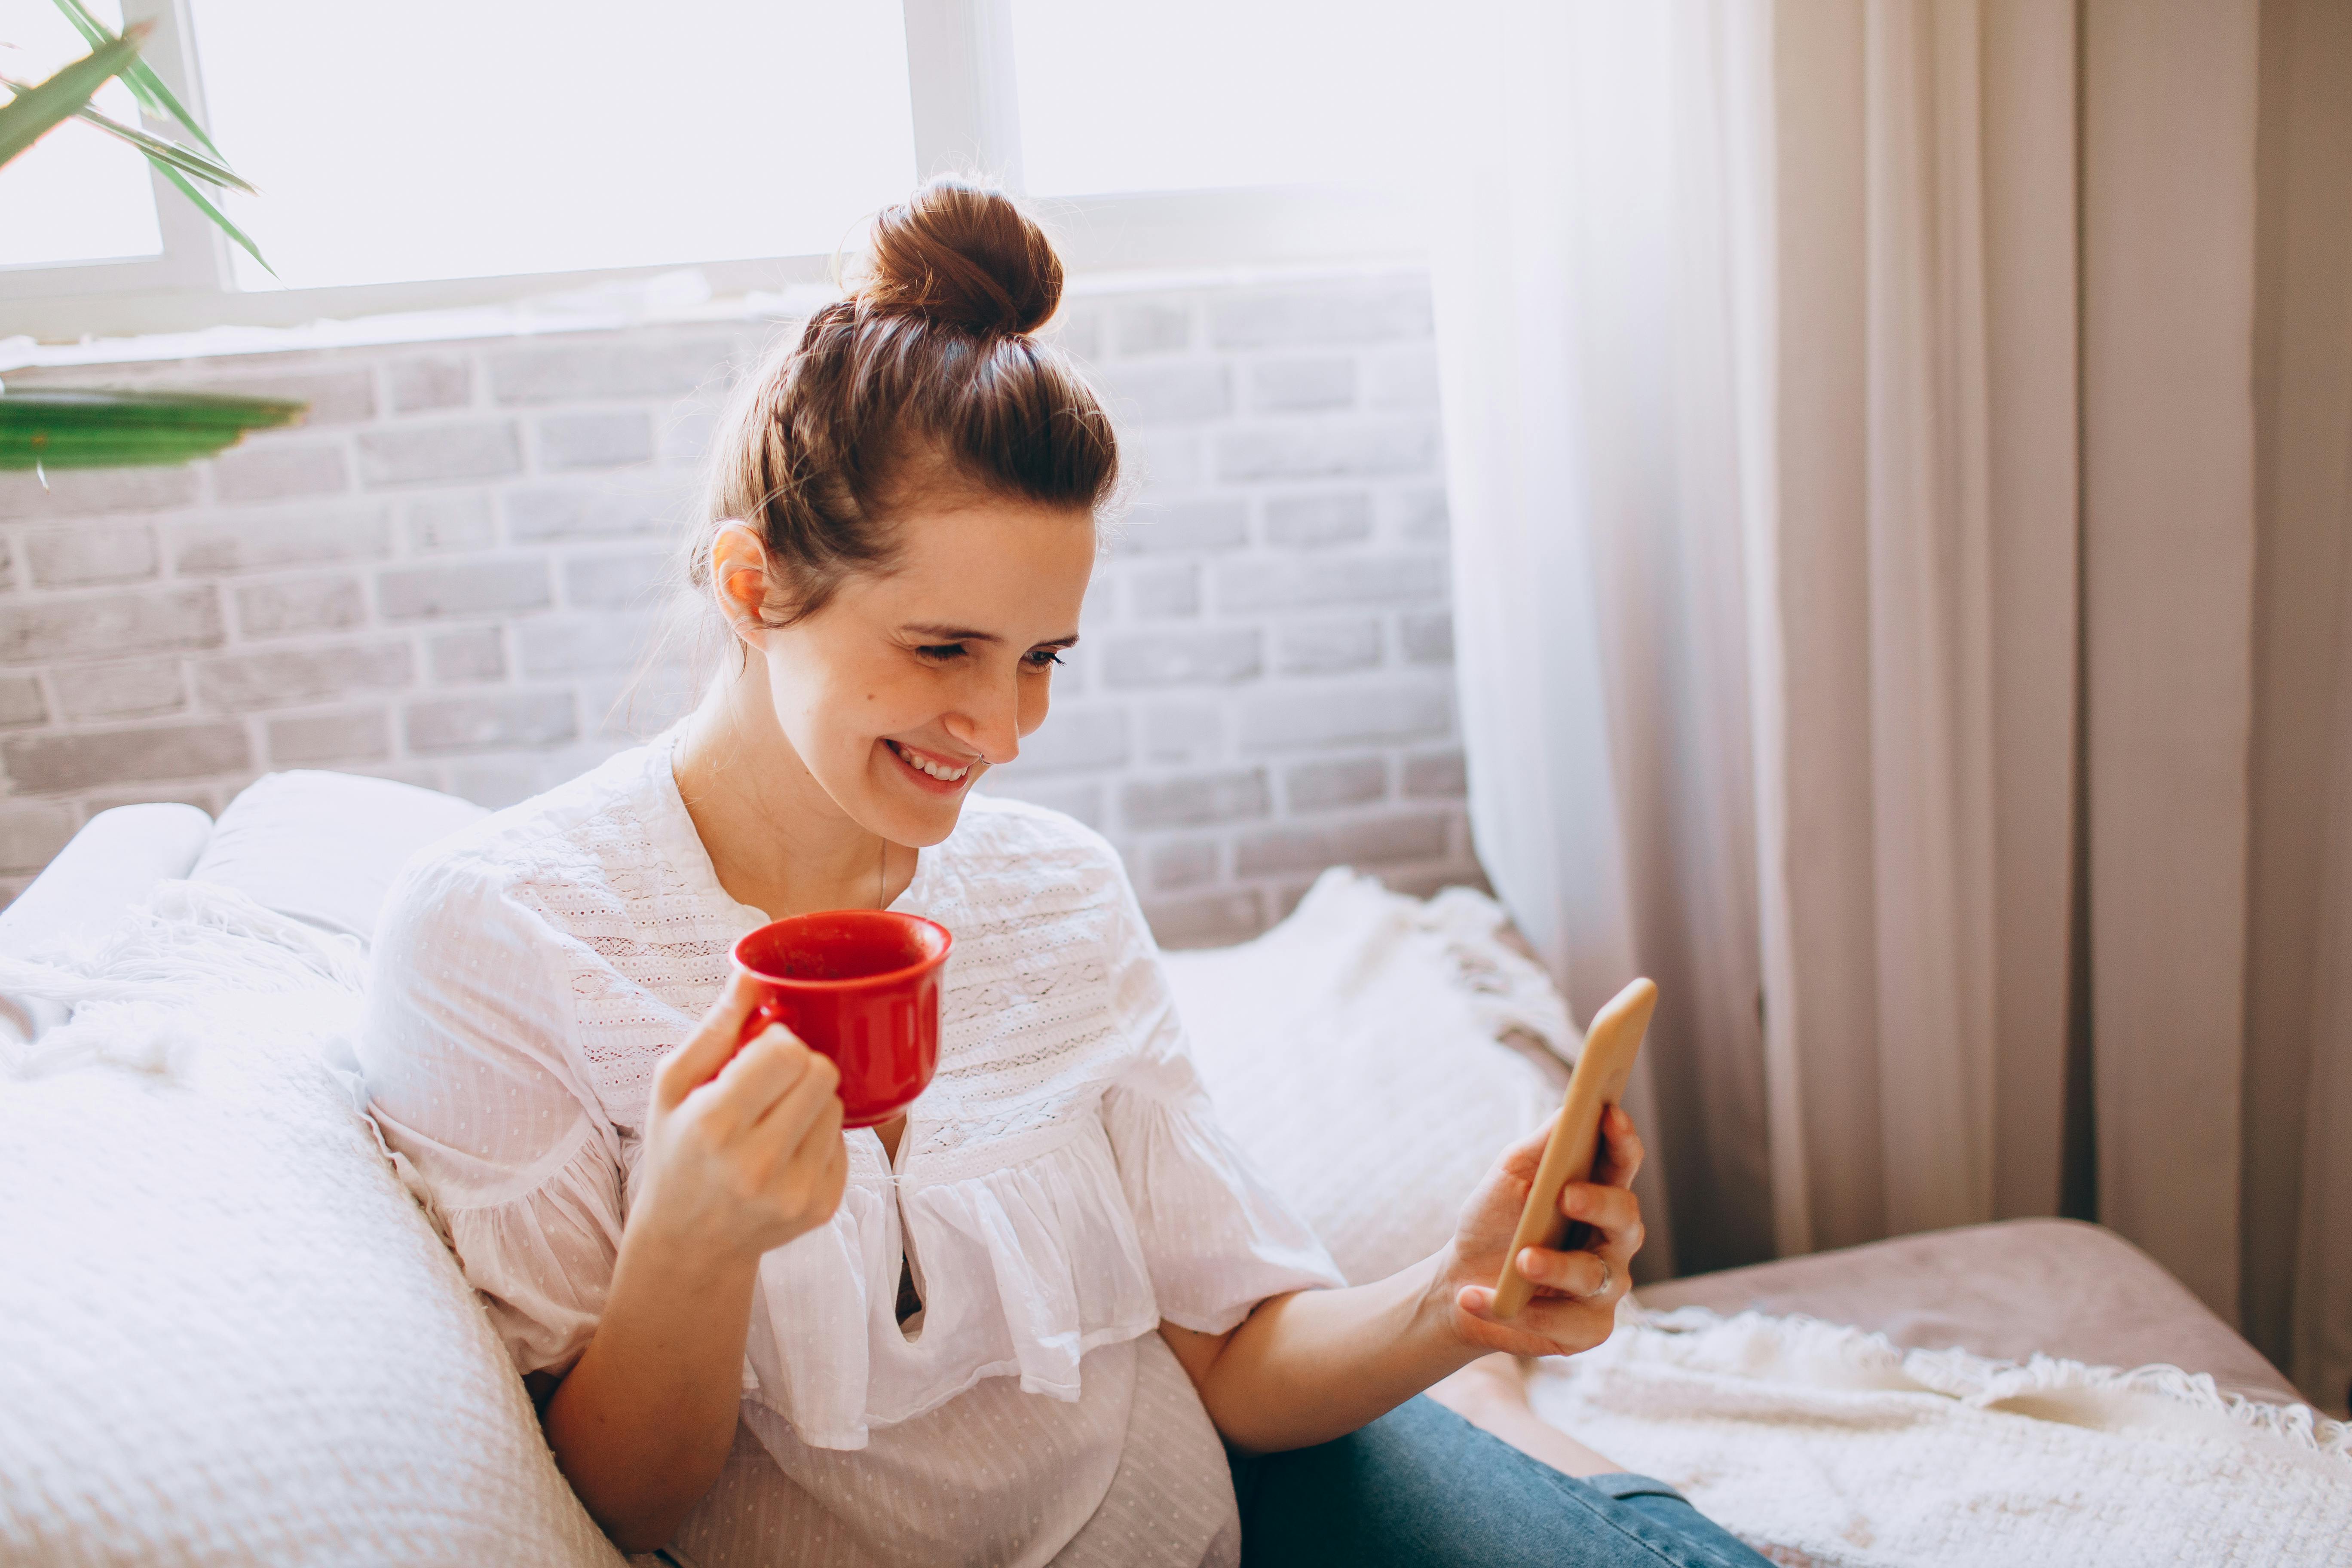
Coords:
pixel 1213 93
pixel 454 139
pixel 449 152
pixel 80 195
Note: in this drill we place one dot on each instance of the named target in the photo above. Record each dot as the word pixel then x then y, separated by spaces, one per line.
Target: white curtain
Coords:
pixel 1856 521
pixel 1592 361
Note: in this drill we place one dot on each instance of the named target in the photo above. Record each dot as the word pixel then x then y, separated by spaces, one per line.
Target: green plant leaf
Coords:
pixel 114 408
pixel 21 455
pixel 219 218
pixel 32 113
pixel 140 77
pixel 186 159
pixel 66 427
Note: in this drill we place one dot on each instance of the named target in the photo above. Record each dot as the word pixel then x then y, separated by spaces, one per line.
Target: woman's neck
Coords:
pixel 775 839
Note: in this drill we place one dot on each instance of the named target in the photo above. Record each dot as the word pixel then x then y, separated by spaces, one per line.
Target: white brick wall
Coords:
pixel 449 574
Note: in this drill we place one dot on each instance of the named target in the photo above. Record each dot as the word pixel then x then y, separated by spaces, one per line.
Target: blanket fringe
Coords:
pixel 1700 1338
pixel 1509 989
pixel 1464 930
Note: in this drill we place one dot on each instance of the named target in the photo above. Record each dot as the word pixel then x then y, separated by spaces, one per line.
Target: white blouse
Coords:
pixel 1061 1187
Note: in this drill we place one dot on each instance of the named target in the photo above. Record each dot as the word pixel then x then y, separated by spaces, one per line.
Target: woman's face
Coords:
pixel 908 685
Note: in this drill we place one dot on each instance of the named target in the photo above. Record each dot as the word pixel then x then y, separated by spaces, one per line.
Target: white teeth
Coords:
pixel 945 775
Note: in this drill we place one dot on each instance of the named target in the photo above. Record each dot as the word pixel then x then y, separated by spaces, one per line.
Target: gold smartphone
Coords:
pixel 1603 1068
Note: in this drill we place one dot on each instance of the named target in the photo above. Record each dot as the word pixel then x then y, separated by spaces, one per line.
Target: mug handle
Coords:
pixel 757 1021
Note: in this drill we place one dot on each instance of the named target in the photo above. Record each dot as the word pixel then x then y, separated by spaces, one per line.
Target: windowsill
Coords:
pixel 682 296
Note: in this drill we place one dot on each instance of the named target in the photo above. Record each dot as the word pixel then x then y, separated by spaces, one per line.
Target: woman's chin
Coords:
pixel 923 836
pixel 916 817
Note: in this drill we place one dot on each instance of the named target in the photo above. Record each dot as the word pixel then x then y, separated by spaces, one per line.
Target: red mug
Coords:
pixel 861 986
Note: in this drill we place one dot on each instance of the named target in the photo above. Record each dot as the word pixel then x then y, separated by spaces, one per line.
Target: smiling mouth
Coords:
pixel 931 767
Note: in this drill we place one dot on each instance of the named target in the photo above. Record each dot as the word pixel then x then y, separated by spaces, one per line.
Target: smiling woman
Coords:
pixel 1013 1323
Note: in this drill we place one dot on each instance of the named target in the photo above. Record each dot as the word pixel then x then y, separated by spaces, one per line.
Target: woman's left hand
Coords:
pixel 1575 1303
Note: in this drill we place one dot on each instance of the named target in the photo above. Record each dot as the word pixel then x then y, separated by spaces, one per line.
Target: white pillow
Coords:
pixel 228 1335
pixel 324 847
pixel 109 865
pixel 1354 1052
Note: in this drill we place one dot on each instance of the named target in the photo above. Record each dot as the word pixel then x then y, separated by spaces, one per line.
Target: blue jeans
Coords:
pixel 1422 1487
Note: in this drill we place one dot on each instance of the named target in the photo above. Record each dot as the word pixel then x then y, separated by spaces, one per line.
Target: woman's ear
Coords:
pixel 739 579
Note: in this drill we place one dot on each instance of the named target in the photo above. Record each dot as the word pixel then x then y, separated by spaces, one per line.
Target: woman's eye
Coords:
pixel 1040 658
pixel 945 651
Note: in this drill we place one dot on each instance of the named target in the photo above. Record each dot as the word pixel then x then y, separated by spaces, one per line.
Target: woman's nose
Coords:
pixel 989 722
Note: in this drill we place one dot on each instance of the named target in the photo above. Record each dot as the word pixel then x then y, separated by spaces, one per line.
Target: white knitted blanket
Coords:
pixel 1824 1445
pixel 1820 1444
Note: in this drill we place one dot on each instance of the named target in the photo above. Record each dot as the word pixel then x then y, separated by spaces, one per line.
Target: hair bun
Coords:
pixel 960 253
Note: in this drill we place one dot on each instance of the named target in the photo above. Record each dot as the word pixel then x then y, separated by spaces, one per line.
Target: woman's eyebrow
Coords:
pixel 952 634
pixel 949 634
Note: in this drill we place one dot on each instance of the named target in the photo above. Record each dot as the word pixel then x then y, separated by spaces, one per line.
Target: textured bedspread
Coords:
pixel 226 1334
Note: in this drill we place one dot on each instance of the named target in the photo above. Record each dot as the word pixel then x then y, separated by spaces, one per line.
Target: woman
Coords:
pixel 1028 1321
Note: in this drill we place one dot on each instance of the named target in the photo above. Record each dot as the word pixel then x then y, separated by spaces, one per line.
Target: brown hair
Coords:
pixel 925 377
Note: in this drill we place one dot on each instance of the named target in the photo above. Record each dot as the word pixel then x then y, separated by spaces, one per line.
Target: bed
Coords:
pixel 174 1386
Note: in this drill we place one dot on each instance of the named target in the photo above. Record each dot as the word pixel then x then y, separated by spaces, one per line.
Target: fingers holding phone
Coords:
pixel 1621 1151
pixel 1605 1221
pixel 1570 1284
pixel 1572 1305
pixel 1558 1277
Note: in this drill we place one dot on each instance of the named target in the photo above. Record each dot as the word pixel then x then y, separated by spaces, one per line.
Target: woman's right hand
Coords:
pixel 743 1148
pixel 743 1153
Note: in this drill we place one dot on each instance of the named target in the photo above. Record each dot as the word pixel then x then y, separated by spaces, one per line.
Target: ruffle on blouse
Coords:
pixel 1022 1270
pixel 542 1262
pixel 1218 1238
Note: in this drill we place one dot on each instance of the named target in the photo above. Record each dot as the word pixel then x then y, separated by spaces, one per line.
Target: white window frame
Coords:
pixel 193 259
pixel 966 109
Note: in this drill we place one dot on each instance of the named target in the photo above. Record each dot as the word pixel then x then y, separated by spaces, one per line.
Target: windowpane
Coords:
pixel 1124 96
pixel 77 195
pixel 455 139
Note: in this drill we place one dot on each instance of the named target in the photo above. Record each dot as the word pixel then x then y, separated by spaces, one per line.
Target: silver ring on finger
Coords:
pixel 1608 1277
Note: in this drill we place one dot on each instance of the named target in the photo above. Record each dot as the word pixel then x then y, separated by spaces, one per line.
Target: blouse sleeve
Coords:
pixel 1216 1238
pixel 470 1079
